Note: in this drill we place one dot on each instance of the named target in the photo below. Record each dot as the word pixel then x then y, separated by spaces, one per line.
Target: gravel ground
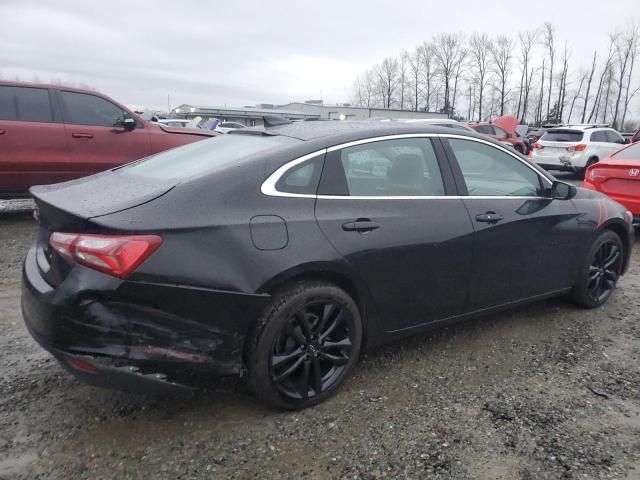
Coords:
pixel 546 391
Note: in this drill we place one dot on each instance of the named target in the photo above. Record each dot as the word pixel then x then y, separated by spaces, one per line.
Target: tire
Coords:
pixel 601 268
pixel 304 345
pixel 582 171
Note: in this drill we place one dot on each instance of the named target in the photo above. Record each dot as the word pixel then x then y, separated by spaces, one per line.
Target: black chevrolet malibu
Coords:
pixel 279 253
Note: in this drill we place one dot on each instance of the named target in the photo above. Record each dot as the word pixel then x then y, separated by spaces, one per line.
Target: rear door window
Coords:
pixel 599 137
pixel 562 136
pixel 390 168
pixel 86 109
pixel 27 104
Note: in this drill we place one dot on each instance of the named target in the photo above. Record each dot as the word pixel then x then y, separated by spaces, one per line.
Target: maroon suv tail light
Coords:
pixel 117 255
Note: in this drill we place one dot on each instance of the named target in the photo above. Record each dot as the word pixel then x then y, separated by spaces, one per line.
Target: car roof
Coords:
pixel 50 85
pixel 345 130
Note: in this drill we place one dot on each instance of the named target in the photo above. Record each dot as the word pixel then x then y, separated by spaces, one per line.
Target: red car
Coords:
pixel 618 176
pixel 503 129
pixel 50 134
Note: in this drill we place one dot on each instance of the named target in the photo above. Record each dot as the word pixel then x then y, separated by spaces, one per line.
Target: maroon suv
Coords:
pixel 50 134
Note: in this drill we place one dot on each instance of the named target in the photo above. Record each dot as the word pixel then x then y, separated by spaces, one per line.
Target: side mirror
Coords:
pixel 562 191
pixel 126 121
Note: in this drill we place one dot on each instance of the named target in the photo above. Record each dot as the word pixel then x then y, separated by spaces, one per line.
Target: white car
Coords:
pixel 224 127
pixel 573 148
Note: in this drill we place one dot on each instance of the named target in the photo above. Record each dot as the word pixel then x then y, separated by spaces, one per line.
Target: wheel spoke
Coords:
pixel 295 333
pixel 303 321
pixel 290 370
pixel 337 360
pixel 612 258
pixel 327 312
pixel 317 375
pixel 345 342
pixel 332 326
pixel 285 357
pixel 303 385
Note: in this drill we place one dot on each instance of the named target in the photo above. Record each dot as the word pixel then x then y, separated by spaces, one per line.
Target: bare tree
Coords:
pixel 387 75
pixel 403 71
pixel 576 95
pixel 415 69
pixel 527 41
pixel 629 95
pixel 448 53
pixel 562 84
pixel 480 55
pixel 605 71
pixel 549 41
pixel 586 96
pixel 501 52
pixel 428 71
pixel 624 46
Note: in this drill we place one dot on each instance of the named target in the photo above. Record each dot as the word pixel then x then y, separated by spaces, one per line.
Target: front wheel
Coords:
pixel 304 345
pixel 600 271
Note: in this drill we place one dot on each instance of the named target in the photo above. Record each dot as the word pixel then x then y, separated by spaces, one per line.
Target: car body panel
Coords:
pixel 33 153
pixel 190 305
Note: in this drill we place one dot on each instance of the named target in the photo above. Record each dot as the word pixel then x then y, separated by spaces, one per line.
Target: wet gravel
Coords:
pixel 547 391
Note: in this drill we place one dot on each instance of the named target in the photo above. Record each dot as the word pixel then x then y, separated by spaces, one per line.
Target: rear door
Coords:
pixel 385 206
pixel 95 143
pixel 614 141
pixel 33 148
pixel 524 242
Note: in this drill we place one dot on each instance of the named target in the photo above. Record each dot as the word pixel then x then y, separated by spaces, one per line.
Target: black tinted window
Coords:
pixel 613 137
pixel 25 104
pixel 489 171
pixel 562 136
pixel 403 167
pixel 85 109
pixel 8 108
pixel 486 129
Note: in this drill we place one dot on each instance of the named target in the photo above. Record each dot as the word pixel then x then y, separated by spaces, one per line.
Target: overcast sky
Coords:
pixel 248 52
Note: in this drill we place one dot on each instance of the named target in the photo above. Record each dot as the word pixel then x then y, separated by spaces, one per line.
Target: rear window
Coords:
pixel 562 136
pixel 632 152
pixel 27 104
pixel 203 156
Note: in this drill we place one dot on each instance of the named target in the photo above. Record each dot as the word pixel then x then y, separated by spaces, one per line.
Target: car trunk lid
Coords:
pixel 617 179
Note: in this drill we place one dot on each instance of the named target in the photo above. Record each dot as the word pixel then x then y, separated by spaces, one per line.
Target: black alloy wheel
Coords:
pixel 304 345
pixel 601 270
pixel 604 271
pixel 312 350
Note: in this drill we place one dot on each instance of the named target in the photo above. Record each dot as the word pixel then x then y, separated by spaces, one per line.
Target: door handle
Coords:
pixel 2 132
pixel 489 217
pixel 82 135
pixel 362 225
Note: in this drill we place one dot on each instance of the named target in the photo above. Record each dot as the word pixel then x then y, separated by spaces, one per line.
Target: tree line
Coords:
pixel 530 76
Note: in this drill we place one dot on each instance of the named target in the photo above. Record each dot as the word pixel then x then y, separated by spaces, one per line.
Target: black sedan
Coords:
pixel 279 253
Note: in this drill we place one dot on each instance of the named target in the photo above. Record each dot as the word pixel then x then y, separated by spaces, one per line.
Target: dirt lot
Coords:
pixel 545 391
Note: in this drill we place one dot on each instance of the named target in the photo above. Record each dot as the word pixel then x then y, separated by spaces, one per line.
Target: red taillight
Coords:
pixel 577 148
pixel 117 255
pixel 537 145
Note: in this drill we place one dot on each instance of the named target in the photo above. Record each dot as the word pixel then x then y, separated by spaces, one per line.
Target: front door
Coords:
pixel 95 143
pixel 384 207
pixel 524 242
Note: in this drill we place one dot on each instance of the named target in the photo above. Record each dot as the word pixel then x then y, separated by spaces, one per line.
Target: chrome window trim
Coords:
pixel 268 187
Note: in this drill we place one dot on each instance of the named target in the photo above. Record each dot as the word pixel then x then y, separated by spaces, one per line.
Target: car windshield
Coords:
pixel 632 152
pixel 562 136
pixel 203 156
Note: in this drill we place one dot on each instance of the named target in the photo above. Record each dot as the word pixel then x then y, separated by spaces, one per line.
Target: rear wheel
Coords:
pixel 304 345
pixel 600 271
pixel 582 171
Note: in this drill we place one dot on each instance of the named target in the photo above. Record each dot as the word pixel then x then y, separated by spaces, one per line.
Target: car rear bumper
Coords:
pixel 136 336
pixel 565 162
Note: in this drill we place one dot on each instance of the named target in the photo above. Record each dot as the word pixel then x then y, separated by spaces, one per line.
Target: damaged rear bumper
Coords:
pixel 136 335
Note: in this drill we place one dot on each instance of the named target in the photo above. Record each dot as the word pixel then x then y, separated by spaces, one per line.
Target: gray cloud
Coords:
pixel 246 52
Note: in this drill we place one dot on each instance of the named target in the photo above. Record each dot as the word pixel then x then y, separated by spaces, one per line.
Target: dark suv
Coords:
pixel 51 133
